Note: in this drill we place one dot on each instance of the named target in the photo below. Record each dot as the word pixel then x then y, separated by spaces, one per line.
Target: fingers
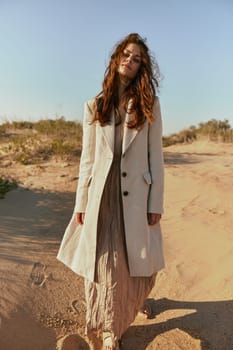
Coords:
pixel 153 218
pixel 80 218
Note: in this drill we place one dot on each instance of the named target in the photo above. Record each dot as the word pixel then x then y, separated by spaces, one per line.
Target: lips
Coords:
pixel 126 66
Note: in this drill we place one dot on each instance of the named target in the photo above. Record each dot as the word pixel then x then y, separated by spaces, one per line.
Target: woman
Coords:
pixel 114 238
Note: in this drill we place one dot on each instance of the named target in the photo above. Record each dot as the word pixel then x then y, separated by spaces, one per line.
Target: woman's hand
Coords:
pixel 153 218
pixel 80 218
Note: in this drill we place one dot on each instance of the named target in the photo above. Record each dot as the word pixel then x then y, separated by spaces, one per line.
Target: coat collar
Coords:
pixel 128 134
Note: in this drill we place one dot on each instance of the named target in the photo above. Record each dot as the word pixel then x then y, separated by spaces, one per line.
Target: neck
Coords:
pixel 123 83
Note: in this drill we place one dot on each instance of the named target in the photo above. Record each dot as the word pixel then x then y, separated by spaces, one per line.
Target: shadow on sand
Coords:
pixel 31 219
pixel 32 223
pixel 211 322
pixel 177 158
pixel 38 217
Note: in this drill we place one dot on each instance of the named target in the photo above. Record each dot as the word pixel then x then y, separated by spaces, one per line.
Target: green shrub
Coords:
pixel 6 186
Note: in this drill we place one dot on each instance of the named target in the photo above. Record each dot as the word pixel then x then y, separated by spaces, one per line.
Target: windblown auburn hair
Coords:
pixel 141 90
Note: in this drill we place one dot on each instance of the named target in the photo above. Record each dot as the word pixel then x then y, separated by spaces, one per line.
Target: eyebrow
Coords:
pixel 132 52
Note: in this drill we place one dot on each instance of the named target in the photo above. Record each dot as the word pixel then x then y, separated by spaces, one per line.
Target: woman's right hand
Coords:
pixel 80 218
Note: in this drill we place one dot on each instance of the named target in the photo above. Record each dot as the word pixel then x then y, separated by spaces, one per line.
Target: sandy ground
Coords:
pixel 42 302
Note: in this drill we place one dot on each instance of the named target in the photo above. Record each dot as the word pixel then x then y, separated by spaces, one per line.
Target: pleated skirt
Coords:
pixel 115 298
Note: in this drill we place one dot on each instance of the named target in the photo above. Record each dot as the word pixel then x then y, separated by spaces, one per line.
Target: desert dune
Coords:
pixel 42 302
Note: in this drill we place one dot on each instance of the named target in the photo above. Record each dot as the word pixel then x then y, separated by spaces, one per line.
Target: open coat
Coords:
pixel 142 192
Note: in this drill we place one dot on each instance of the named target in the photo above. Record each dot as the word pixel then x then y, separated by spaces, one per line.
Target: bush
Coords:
pixel 22 125
pixel 2 129
pixel 184 136
pixel 6 186
pixel 215 130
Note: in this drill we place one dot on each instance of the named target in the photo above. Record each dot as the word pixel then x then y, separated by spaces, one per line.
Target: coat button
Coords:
pixel 125 193
pixel 124 174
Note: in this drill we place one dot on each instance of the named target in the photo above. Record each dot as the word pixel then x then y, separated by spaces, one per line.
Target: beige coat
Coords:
pixel 142 192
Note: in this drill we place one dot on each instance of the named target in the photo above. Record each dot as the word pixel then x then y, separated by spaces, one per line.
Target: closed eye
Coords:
pixel 125 54
pixel 136 59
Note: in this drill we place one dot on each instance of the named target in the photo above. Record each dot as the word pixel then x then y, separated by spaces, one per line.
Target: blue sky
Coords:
pixel 54 54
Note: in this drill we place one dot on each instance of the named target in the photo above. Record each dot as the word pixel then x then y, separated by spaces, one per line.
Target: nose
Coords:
pixel 129 58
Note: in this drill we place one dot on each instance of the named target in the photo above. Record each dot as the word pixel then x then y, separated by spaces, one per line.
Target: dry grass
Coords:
pixel 35 142
pixel 214 130
pixel 30 143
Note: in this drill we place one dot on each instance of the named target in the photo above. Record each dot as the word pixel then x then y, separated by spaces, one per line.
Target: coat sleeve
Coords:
pixel 87 159
pixel 156 163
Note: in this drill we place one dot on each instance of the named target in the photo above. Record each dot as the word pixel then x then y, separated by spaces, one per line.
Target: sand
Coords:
pixel 42 303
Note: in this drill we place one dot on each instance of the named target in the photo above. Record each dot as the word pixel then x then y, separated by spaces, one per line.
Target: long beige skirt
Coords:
pixel 115 298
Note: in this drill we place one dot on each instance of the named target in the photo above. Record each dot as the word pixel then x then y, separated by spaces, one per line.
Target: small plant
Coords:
pixel 6 186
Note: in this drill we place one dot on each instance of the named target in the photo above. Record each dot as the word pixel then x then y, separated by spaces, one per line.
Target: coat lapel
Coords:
pixel 129 134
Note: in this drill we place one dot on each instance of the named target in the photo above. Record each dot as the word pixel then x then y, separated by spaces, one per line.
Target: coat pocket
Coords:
pixel 147 177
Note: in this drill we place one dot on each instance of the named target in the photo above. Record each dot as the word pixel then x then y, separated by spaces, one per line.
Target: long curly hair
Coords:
pixel 141 91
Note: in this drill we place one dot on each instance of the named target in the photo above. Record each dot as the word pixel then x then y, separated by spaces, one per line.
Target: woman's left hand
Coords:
pixel 153 218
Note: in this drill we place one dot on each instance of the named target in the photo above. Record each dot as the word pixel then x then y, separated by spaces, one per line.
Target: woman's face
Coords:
pixel 130 61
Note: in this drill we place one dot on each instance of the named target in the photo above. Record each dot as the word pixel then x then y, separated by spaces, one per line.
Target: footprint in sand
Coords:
pixel 77 306
pixel 38 274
